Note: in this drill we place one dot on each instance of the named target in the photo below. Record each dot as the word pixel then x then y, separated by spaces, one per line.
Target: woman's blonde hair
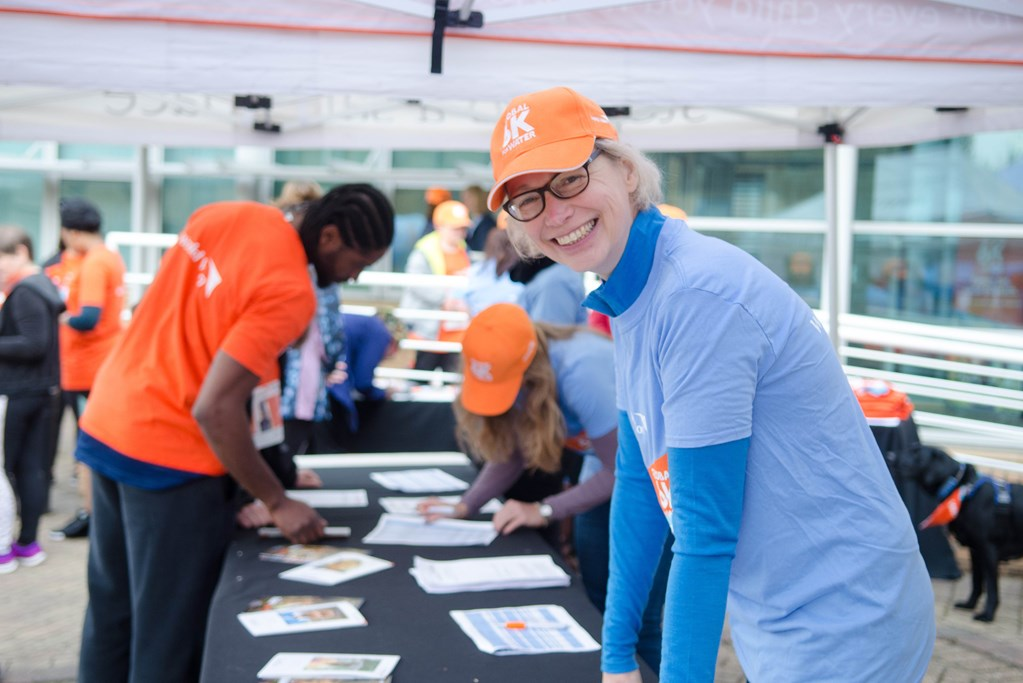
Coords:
pixel 646 194
pixel 534 425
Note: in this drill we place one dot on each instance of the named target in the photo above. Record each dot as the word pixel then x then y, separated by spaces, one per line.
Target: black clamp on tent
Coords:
pixel 259 102
pixel 833 133
pixel 444 17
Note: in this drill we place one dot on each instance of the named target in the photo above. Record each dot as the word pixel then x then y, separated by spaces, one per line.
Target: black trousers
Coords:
pixel 154 562
pixel 25 437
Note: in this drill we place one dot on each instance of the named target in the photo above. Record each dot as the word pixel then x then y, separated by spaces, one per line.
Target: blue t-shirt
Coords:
pixel 827 581
pixel 584 367
pixel 555 295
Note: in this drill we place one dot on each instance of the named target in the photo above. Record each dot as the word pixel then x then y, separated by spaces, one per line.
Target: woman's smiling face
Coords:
pixel 587 232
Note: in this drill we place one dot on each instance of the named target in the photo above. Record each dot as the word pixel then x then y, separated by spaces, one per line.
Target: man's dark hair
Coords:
pixel 78 213
pixel 11 237
pixel 363 215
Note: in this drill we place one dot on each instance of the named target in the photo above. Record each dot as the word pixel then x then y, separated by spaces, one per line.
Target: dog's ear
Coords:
pixel 937 467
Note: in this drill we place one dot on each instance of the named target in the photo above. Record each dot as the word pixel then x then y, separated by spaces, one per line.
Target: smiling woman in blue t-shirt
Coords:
pixel 737 429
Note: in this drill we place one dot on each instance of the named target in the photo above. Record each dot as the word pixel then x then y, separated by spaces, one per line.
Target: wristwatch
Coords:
pixel 546 511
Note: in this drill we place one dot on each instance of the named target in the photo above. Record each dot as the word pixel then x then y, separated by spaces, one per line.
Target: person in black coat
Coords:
pixel 29 394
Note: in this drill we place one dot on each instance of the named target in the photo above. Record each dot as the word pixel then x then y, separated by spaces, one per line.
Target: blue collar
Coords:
pixel 629 277
pixel 952 482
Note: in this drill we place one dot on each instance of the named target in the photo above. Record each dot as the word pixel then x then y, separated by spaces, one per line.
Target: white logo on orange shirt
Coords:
pixel 209 277
pixel 481 370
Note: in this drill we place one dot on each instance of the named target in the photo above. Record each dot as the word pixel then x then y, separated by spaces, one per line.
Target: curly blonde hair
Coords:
pixel 534 425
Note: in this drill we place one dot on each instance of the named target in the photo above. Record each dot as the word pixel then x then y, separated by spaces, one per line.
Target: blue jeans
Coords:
pixel 592 538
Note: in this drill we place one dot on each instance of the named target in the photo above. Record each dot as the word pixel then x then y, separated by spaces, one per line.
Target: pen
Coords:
pixel 519 625
pixel 441 509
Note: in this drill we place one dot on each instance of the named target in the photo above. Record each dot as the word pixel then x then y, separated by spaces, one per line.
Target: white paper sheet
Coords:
pixel 425 480
pixel 331 498
pixel 335 569
pixel 330 665
pixel 488 573
pixel 302 618
pixel 545 628
pixel 414 530
pixel 406 505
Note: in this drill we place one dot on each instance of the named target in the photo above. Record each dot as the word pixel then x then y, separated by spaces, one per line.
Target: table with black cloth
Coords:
pixel 403 619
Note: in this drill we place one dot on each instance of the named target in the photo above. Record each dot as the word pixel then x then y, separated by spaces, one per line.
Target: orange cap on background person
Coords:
pixel 672 211
pixel 549 131
pixel 498 346
pixel 435 195
pixel 451 214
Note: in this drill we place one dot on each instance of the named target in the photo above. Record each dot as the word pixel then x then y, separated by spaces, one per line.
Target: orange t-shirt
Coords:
pixel 237 281
pixel 93 279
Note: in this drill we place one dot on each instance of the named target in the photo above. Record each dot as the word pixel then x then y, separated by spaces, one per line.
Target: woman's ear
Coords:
pixel 629 175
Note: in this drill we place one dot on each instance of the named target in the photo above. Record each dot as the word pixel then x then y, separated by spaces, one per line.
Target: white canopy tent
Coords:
pixel 689 74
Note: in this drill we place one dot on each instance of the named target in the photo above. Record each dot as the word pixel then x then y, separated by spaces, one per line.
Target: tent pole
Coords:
pixel 840 170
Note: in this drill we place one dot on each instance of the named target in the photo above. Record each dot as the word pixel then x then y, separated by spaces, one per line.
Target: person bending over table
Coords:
pixel 737 429
pixel 168 420
pixel 530 390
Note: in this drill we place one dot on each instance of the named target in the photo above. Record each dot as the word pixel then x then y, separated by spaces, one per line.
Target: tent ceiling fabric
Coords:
pixel 697 74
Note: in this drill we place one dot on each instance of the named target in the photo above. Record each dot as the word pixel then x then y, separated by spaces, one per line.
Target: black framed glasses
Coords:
pixel 529 205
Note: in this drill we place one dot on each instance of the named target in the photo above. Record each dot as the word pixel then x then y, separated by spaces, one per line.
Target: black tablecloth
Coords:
pixel 390 426
pixel 403 619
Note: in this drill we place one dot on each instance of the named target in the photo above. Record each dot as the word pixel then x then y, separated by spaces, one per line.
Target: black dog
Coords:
pixel 989 522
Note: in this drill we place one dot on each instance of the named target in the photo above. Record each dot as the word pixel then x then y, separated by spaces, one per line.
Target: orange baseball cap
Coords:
pixel 451 214
pixel 549 131
pixel 435 195
pixel 672 211
pixel 498 346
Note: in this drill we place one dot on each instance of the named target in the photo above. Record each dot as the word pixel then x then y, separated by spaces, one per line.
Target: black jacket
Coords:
pixel 29 345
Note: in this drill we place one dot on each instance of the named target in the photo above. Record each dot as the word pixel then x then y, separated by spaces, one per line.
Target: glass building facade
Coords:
pixel 937 235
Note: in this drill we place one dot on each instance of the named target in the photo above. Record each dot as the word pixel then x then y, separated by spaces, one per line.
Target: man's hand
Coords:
pixel 253 516
pixel 307 479
pixel 338 375
pixel 297 521
pixel 515 514
pixel 630 677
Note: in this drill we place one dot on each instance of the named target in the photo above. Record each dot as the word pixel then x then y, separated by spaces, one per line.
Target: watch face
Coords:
pixel 546 511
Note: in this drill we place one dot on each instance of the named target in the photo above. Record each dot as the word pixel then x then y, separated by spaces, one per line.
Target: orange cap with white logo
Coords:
pixel 549 131
pixel 497 348
pixel 451 214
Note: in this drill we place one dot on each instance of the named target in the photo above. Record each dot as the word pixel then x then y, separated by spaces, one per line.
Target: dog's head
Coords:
pixel 939 472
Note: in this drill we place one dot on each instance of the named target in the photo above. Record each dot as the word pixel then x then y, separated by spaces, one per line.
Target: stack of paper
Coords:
pixel 415 530
pixel 331 498
pixel 319 616
pixel 297 553
pixel 488 574
pixel 528 630
pixel 336 568
pixel 425 480
pixel 328 666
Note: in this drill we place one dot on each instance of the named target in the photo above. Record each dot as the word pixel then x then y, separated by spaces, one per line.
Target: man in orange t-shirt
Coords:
pixel 92 276
pixel 169 417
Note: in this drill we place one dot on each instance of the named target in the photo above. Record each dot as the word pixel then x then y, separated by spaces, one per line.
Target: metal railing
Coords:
pixel 982 367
